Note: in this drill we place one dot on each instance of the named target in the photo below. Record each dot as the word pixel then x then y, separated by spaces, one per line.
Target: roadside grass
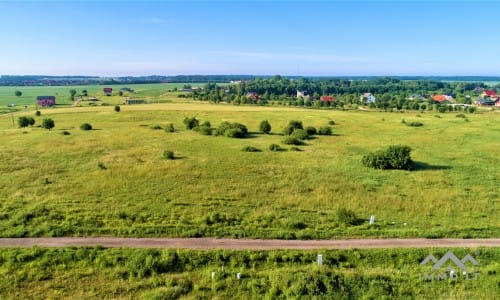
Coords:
pixel 94 272
pixel 114 180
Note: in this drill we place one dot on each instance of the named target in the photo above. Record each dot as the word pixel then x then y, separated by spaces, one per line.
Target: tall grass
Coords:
pixel 170 274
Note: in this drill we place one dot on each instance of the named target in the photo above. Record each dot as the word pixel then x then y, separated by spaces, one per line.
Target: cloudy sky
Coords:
pixel 120 38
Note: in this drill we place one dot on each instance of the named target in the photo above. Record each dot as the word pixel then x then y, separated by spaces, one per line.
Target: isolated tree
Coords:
pixel 72 93
pixel 265 127
pixel 18 93
pixel 84 93
pixel 48 123
pixel 23 122
pixel 117 108
pixel 86 126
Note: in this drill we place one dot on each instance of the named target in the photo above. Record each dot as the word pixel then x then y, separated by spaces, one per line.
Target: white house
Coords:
pixel 368 98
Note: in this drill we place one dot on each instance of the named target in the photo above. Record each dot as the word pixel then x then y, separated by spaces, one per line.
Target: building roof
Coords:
pixel 107 89
pixel 439 98
pixel 490 92
pixel 326 98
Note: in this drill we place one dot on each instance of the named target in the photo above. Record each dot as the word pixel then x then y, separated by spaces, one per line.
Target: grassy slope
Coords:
pixel 50 184
pixel 95 273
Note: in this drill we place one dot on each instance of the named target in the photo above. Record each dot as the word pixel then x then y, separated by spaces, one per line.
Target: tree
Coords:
pixel 265 127
pixel 86 126
pixel 18 93
pixel 72 93
pixel 84 93
pixel 48 123
pixel 117 108
pixel 23 122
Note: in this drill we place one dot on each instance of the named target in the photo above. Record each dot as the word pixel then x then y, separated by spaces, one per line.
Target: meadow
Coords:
pixel 114 180
pixel 62 94
pixel 98 273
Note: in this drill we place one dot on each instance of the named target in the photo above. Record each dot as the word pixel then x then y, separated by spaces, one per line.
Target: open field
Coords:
pixel 98 273
pixel 141 91
pixel 114 180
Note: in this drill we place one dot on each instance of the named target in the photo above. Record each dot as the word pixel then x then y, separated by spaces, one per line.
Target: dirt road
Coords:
pixel 243 244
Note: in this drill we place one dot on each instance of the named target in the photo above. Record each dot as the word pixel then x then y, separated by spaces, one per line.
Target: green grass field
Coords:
pixel 29 93
pixel 96 273
pixel 114 180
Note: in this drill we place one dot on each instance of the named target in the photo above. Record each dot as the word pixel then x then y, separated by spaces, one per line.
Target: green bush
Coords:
pixel 250 149
pixel 275 147
pixel 471 109
pixel 205 130
pixel 234 130
pixel 169 128
pixel 297 149
pixel 300 134
pixel 48 123
pixel 327 130
pixel 117 108
pixel 23 122
pixel 415 124
pixel 292 125
pixel 311 130
pixel 66 133
pixel 460 116
pixel 156 127
pixel 291 140
pixel 331 122
pixel 265 127
pixel 347 217
pixel 38 113
pixel 394 157
pixel 86 126
pixel 167 154
pixel 191 123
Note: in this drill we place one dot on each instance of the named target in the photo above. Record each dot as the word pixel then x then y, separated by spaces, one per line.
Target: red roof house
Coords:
pixel 441 98
pixel 46 100
pixel 326 98
pixel 489 93
pixel 107 91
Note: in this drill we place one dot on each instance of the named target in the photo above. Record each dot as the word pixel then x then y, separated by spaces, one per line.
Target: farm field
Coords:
pixel 89 273
pixel 29 93
pixel 113 180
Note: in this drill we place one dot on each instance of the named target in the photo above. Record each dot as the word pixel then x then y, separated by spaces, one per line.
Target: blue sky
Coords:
pixel 121 38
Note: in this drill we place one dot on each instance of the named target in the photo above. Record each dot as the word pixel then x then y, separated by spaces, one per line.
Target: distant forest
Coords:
pixel 42 80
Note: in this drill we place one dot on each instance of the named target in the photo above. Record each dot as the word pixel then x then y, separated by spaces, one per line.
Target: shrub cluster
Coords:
pixel 191 122
pixel 234 130
pixel 394 157
pixel 326 130
pixel 205 128
pixel 25 121
pixel 292 125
